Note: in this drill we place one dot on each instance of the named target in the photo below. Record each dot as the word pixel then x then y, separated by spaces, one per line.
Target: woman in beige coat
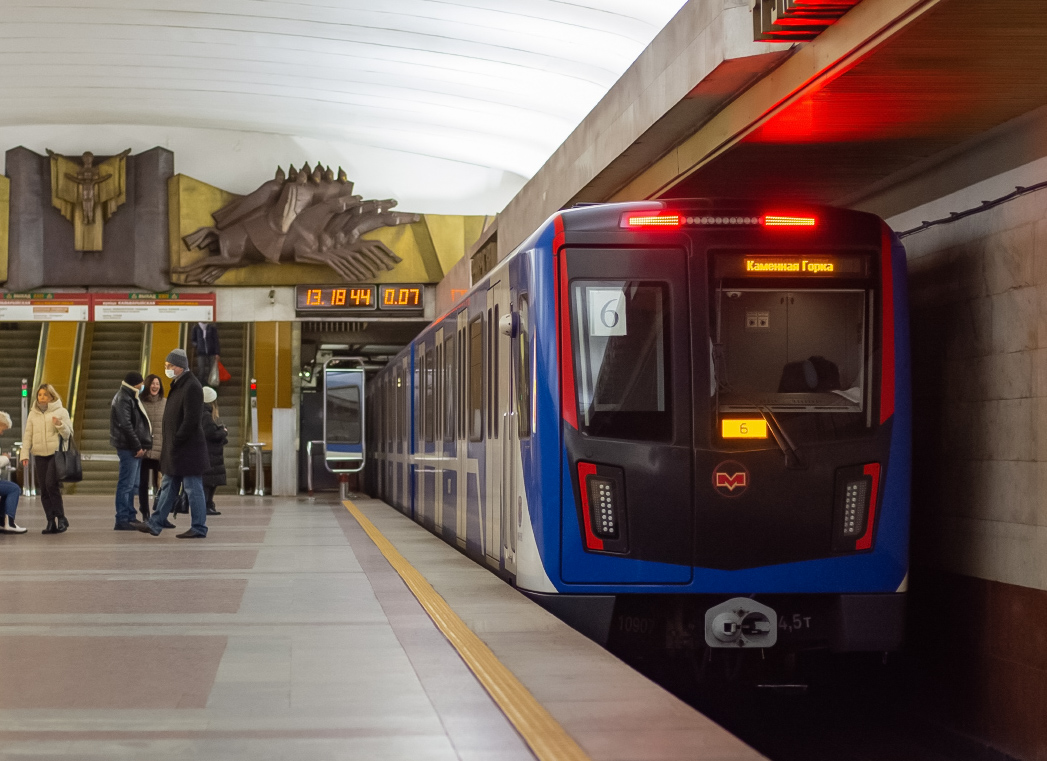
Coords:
pixel 48 420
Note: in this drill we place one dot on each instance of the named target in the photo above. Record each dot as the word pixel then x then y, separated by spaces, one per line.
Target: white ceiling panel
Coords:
pixel 497 84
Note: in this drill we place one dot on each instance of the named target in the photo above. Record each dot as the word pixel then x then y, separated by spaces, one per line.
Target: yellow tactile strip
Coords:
pixel 546 738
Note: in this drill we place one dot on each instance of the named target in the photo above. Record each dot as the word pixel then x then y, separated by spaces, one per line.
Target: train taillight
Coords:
pixel 785 220
pixel 646 220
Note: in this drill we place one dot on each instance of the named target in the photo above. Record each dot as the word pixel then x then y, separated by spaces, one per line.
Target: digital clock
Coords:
pixel 400 297
pixel 406 297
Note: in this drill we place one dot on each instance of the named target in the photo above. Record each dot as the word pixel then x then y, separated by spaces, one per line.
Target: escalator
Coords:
pixel 19 347
pixel 115 348
pixel 232 338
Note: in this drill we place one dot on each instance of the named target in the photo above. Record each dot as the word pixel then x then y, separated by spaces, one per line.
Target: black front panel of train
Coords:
pixel 629 315
pixel 787 425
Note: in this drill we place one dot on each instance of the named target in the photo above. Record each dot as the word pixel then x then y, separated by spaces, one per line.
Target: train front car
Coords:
pixel 733 391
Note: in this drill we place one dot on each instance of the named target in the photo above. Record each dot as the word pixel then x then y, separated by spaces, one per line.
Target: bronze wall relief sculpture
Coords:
pixel 79 190
pixel 59 205
pixel 309 216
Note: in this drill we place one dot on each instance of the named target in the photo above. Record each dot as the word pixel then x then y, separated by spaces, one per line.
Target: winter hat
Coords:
pixel 133 378
pixel 209 394
pixel 178 358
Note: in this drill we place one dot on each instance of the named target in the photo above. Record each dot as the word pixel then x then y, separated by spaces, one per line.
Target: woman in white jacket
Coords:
pixel 48 420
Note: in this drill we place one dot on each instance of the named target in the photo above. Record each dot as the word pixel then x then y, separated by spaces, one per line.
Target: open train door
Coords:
pixel 343 415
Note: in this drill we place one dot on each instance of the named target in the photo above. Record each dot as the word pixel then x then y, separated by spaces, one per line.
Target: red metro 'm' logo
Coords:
pixel 730 478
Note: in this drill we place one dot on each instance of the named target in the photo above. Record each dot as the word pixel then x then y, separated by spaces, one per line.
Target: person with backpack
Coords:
pixel 217 437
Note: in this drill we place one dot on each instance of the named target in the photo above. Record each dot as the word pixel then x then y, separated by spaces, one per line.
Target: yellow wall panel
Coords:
pixel 272 370
pixel 166 337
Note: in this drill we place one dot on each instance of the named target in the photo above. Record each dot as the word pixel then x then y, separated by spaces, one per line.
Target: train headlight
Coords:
pixel 854 511
pixel 603 504
pixel 602 491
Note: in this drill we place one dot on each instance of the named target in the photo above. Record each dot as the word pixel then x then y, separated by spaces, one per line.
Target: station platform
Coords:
pixel 294 632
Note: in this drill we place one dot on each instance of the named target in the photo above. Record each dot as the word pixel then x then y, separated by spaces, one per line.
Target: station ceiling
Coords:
pixel 488 83
pixel 948 73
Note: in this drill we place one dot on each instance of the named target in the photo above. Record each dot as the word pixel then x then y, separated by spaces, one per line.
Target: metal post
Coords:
pixel 29 471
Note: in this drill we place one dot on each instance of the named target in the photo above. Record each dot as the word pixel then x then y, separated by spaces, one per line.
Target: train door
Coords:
pixel 512 329
pixel 496 398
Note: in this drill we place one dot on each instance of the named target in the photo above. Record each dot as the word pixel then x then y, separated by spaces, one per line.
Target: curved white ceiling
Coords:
pixel 496 84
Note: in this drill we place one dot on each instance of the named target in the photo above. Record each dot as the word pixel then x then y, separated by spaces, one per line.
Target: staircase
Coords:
pixel 232 340
pixel 19 343
pixel 115 350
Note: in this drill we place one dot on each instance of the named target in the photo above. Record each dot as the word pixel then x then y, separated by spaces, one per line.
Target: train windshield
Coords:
pixel 621 358
pixel 800 350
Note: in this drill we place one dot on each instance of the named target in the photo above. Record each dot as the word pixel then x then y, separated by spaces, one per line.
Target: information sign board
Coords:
pixel 153 307
pixel 45 307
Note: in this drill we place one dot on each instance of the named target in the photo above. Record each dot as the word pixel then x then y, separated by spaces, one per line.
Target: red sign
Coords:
pixel 730 478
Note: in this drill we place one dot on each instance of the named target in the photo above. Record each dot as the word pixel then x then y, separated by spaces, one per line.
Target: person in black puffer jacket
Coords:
pixel 131 435
pixel 217 437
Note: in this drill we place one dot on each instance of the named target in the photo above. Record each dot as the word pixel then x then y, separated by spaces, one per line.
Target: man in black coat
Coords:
pixel 184 458
pixel 131 435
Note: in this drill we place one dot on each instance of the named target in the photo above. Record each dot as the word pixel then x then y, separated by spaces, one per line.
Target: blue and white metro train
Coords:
pixel 700 402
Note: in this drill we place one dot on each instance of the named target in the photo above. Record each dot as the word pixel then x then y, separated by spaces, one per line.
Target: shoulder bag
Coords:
pixel 67 461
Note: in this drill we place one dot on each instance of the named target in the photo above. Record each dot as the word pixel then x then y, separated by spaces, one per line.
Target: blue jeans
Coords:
pixel 165 500
pixel 126 486
pixel 9 494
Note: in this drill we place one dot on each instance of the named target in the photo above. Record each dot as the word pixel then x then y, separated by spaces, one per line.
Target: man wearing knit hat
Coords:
pixel 131 434
pixel 183 459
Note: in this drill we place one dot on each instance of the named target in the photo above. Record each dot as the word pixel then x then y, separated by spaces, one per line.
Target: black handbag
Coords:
pixel 67 461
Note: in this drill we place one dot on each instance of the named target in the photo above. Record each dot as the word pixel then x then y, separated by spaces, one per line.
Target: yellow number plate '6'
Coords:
pixel 744 429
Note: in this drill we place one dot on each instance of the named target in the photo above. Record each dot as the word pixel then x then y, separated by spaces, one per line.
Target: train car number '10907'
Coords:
pixel 359 298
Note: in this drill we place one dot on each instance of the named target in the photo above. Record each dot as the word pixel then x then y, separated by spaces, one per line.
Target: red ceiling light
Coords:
pixel 650 219
pixel 782 220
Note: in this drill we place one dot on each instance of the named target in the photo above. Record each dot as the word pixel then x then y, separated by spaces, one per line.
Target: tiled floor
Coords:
pixel 286 635
pixel 267 640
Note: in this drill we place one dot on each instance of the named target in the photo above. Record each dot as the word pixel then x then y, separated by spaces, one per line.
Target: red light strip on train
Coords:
pixel 646 219
pixel 780 220
pixel 866 540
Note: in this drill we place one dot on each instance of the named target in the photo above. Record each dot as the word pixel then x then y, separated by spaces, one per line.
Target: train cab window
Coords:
pixel 428 408
pixel 475 403
pixel 621 354
pixel 449 388
pixel 523 371
pixel 795 350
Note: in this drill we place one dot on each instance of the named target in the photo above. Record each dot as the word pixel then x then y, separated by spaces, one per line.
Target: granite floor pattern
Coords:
pixel 270 639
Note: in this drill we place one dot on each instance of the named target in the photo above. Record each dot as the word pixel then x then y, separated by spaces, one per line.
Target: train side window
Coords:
pixel 523 371
pixel 490 373
pixel 449 388
pixel 495 340
pixel 476 379
pixel 427 393
pixel 419 419
pixel 437 390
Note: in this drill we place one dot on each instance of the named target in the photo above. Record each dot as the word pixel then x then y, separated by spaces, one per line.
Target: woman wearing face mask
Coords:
pixel 153 400
pixel 47 421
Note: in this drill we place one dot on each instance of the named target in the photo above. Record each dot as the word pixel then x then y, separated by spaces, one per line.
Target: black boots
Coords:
pixel 56 525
